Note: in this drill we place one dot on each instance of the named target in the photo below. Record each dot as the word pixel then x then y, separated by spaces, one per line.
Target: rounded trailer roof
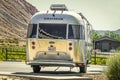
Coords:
pixel 57 15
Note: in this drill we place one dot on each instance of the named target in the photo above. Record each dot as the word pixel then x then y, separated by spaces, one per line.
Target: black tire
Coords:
pixel 36 69
pixel 82 69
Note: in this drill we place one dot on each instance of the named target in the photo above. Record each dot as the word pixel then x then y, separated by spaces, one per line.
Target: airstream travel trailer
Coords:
pixel 58 37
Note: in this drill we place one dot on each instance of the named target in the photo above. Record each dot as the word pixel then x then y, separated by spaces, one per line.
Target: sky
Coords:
pixel 102 14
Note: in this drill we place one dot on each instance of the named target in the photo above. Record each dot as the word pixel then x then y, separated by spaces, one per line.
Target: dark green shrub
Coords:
pixel 113 69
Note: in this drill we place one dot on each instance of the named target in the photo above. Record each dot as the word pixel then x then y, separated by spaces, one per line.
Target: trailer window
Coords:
pixel 52 31
pixel 75 32
pixel 71 32
pixel 82 32
pixel 32 31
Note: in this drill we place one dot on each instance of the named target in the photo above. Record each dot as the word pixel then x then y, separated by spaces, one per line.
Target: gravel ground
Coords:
pixel 93 76
pixel 97 76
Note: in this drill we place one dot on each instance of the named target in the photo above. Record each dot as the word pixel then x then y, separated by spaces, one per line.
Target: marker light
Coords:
pixel 70 44
pixel 70 48
pixel 33 47
pixel 33 43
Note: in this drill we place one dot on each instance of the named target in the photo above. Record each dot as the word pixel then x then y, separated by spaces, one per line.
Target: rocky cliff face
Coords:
pixel 14 17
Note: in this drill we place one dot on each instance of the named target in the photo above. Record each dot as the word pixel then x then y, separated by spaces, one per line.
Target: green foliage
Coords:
pixel 1 40
pixel 2 57
pixel 113 69
pixel 112 34
pixel 95 35
pixel 117 37
pixel 100 59
pixel 9 41
pixel 12 41
pixel 13 53
pixel 118 49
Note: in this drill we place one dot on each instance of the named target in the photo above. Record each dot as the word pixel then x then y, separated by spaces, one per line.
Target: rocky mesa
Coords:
pixel 14 18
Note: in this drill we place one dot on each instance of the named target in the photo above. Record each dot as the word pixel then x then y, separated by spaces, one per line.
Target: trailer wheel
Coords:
pixel 36 69
pixel 82 69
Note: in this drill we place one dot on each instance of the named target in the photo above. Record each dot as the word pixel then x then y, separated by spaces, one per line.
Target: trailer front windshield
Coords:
pixel 52 31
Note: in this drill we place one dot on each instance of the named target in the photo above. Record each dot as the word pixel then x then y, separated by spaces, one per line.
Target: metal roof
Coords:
pixel 106 38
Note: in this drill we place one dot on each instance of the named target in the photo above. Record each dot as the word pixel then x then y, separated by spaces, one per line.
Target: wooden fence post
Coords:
pixel 6 54
pixel 95 58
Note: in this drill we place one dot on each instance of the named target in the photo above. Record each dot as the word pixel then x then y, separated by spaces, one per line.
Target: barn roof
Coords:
pixel 106 38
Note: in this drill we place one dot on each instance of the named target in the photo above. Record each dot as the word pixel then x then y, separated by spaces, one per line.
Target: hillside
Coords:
pixel 14 17
pixel 104 31
pixel 118 31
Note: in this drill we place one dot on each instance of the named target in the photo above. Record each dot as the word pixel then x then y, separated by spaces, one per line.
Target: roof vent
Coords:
pixel 58 7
